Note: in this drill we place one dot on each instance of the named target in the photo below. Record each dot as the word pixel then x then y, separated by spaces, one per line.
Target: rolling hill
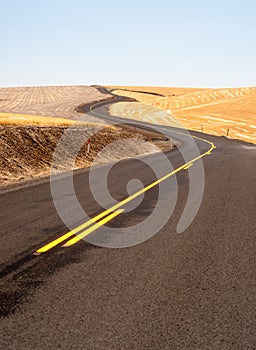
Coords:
pixel 229 111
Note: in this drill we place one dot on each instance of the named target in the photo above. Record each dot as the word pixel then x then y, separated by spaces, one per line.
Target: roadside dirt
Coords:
pixel 26 152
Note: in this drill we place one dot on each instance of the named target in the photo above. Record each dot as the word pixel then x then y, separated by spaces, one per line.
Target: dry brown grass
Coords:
pixel 26 119
pixel 26 152
pixel 213 110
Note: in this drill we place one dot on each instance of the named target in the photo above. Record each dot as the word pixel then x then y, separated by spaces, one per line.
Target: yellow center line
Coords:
pixel 92 228
pixel 188 166
pixel 110 211
pixel 67 235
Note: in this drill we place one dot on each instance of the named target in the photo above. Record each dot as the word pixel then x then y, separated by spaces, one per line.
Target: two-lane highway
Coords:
pixel 193 290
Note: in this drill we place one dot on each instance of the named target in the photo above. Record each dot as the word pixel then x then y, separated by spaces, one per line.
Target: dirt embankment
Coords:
pixel 27 151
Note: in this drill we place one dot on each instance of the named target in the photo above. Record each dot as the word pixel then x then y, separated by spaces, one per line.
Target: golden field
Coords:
pixel 27 119
pixel 161 90
pixel 212 110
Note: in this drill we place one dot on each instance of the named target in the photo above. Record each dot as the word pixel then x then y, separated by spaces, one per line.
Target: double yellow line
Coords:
pixel 107 215
pixel 95 225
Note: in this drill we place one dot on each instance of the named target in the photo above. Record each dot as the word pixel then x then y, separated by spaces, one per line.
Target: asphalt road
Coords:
pixel 190 290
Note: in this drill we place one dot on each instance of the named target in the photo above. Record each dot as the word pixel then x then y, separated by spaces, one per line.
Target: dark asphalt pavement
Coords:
pixel 191 291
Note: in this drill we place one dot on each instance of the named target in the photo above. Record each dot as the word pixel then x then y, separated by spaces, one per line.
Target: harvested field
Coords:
pixel 141 111
pixel 161 90
pixel 215 111
pixel 51 101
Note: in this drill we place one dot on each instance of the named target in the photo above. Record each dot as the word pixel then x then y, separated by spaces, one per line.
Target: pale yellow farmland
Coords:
pixel 142 112
pixel 215 111
pixel 161 90
pixel 50 101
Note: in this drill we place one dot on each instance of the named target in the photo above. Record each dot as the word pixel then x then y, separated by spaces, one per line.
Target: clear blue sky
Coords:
pixel 165 42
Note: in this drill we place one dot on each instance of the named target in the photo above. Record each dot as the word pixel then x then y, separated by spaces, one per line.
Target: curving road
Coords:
pixel 189 290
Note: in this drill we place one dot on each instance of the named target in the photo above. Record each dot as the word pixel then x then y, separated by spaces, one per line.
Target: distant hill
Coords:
pixel 212 110
pixel 50 101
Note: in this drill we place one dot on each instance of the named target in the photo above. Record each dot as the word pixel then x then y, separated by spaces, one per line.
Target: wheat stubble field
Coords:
pixel 46 101
pixel 213 111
